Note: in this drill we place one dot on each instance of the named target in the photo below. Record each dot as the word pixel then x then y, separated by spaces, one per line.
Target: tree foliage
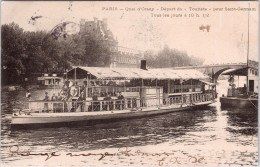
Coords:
pixel 170 58
pixel 37 52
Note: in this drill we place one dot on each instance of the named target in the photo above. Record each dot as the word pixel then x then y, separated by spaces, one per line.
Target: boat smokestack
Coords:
pixel 143 65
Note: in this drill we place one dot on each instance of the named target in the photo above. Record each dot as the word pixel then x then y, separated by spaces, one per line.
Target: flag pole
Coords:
pixel 248 37
pixel 247 62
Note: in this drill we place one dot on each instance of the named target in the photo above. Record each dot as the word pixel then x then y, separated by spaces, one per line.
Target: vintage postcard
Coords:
pixel 124 83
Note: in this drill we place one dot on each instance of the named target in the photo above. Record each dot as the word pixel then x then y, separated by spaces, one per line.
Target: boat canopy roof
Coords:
pixel 136 73
pixel 240 72
pixel 207 82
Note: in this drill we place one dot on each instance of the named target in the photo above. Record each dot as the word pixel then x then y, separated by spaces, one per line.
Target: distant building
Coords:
pixel 122 56
pixel 99 30
pixel 126 57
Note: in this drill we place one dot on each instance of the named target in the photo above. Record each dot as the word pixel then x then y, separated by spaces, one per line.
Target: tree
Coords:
pixel 98 52
pixel 12 53
pixel 170 58
pixel 38 52
pixel 71 51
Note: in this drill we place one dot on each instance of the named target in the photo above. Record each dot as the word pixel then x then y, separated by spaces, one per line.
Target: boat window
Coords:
pixel 57 81
pixel 103 92
pixel 111 91
pixel 96 91
pixel 90 92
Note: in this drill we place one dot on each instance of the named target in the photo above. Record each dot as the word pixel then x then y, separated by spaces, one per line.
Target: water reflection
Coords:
pixel 242 118
pixel 134 132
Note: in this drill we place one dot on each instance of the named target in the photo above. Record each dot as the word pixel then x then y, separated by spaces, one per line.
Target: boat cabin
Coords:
pixel 105 89
pixel 98 83
pixel 50 80
pixel 250 85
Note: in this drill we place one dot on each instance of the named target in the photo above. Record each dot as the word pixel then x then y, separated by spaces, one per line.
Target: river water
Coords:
pixel 209 137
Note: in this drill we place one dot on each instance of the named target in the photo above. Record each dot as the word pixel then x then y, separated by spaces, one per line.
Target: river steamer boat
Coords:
pixel 245 97
pixel 94 93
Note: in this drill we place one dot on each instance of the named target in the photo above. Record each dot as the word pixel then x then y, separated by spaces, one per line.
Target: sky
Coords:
pixel 134 26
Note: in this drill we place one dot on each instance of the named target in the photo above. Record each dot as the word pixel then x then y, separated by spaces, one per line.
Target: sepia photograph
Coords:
pixel 129 83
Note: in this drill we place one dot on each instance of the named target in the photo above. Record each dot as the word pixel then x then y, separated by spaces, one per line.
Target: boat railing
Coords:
pixel 46 106
pixel 116 104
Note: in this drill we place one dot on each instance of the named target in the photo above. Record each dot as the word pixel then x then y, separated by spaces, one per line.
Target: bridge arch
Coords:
pixel 217 74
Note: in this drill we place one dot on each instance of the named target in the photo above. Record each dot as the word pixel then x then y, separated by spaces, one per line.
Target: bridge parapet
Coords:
pixel 216 69
pixel 240 65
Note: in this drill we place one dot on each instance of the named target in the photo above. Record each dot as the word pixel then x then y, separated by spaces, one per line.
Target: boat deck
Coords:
pixel 74 117
pixel 95 113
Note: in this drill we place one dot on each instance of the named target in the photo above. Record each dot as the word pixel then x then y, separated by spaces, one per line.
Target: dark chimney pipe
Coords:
pixel 143 64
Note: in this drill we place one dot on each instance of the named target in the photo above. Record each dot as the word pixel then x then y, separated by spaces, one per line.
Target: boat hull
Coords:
pixel 241 103
pixel 51 119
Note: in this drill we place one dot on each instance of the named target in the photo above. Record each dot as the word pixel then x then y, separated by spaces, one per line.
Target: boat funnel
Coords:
pixel 143 64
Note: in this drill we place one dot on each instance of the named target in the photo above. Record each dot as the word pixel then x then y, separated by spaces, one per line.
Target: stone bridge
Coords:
pixel 215 70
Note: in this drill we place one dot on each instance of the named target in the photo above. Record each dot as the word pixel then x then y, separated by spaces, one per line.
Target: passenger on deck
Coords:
pixel 244 89
pixel 28 95
pixel 81 97
pixel 74 90
pixel 80 102
pixel 108 102
pixel 108 97
pixel 110 83
pixel 46 98
pixel 95 105
pixel 120 97
pixel 77 88
pixel 59 107
pixel 54 97
pixel 93 83
pixel 120 102
pixel 59 97
pixel 203 88
pixel 95 98
pixel 85 83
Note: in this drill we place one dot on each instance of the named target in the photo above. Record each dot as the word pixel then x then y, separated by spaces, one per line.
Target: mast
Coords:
pixel 248 37
pixel 247 84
